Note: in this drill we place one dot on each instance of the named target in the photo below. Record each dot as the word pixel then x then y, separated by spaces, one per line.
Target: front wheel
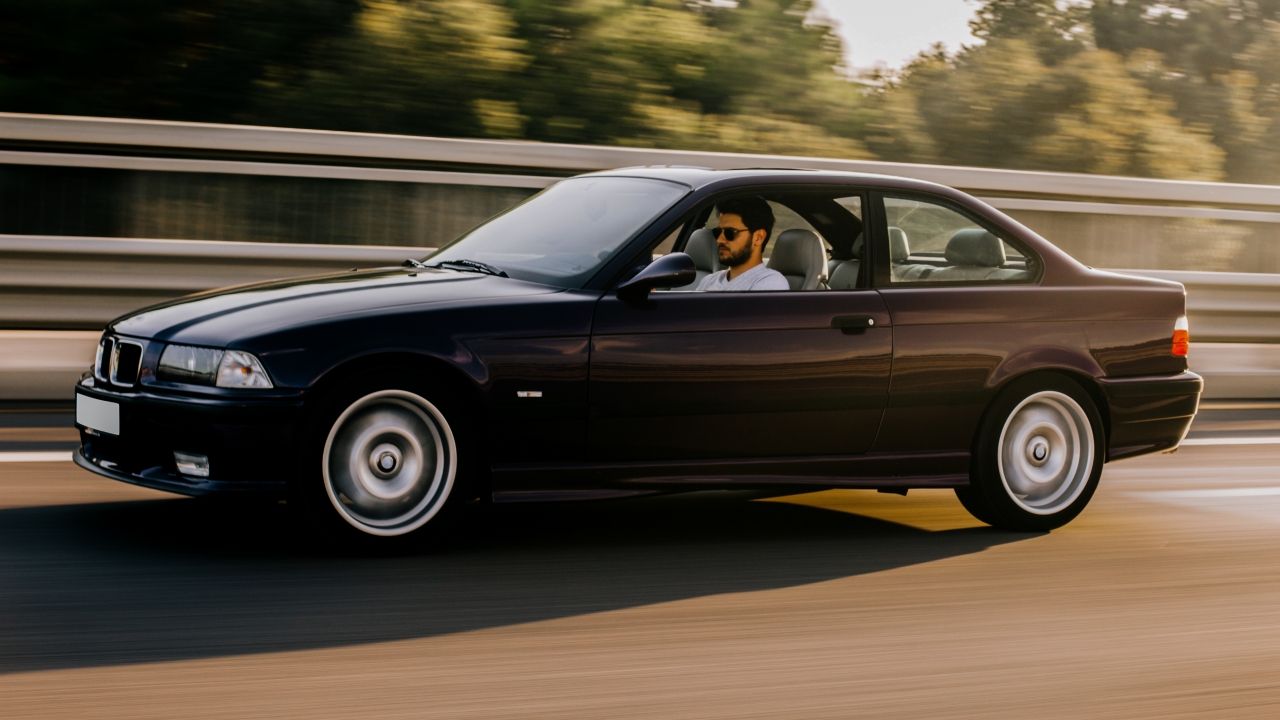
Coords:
pixel 389 463
pixel 1038 456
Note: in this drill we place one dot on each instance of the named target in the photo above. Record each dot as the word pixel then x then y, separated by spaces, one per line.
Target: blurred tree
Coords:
pixel 897 131
pixel 768 53
pixel 758 133
pixel 406 66
pixel 171 59
pixel 1172 88
pixel 773 82
pixel 1054 29
pixel 1260 161
pixel 1211 58
pixel 1101 120
pixel 756 76
pixel 594 63
pixel 984 106
pixel 999 105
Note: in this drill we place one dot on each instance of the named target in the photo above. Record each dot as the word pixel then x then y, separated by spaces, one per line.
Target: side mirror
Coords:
pixel 671 270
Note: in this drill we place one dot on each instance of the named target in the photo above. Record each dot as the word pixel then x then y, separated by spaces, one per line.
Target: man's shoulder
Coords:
pixel 770 279
pixel 712 279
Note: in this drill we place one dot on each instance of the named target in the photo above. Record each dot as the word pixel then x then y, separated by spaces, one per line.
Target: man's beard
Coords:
pixel 736 260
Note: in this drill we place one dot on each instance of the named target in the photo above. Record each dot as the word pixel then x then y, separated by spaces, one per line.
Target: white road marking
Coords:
pixel 35 457
pixel 1263 440
pixel 1240 405
pixel 1244 492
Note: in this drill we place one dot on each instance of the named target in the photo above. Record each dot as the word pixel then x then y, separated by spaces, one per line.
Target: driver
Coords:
pixel 743 229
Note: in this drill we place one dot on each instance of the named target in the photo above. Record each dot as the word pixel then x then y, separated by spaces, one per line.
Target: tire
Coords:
pixel 385 461
pixel 1038 456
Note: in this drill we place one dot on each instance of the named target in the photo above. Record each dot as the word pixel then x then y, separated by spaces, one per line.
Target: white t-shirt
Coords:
pixel 759 277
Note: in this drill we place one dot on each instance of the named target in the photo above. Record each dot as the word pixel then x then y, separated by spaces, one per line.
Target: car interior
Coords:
pixel 930 242
pixel 818 244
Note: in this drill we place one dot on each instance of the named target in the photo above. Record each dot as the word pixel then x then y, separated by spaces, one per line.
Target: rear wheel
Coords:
pixel 1038 457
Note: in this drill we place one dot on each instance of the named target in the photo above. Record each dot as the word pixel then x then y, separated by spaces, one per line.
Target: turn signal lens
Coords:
pixel 239 369
pixel 1181 337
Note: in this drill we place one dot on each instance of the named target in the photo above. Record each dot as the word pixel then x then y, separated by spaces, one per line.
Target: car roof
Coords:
pixel 700 177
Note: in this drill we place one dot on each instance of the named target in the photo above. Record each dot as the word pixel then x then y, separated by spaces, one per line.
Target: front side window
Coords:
pixel 931 243
pixel 816 237
pixel 564 234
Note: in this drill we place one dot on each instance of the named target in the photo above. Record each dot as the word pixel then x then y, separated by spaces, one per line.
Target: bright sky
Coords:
pixel 891 32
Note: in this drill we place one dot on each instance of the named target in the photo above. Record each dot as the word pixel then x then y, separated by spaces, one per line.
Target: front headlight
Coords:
pixel 209 366
pixel 183 363
pixel 240 369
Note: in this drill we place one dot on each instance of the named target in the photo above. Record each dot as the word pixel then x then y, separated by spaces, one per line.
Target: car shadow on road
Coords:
pixel 130 582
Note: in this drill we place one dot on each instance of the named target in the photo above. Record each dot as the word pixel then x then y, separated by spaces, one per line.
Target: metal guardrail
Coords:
pixel 278 169
pixel 75 283
pixel 55 292
pixel 149 137
pixel 138 178
pixel 972 178
pixel 1229 307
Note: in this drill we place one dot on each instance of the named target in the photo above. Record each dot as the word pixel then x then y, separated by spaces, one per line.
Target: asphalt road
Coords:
pixel 1161 600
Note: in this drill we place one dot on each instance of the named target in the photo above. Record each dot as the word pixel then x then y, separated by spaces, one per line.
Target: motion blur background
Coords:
pixel 1135 134
pixel 1185 89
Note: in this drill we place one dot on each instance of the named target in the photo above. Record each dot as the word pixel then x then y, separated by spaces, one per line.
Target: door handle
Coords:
pixel 853 323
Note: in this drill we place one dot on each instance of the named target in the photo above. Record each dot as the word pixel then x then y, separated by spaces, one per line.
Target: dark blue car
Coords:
pixel 926 340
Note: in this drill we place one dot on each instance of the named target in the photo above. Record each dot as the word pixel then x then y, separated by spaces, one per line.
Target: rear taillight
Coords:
pixel 1181 337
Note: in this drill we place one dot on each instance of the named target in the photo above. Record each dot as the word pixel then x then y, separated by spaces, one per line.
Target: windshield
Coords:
pixel 562 235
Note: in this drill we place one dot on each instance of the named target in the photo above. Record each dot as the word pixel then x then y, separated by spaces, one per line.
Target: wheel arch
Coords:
pixel 407 362
pixel 463 388
pixel 1084 380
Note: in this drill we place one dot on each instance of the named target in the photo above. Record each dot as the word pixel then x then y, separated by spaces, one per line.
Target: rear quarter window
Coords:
pixel 930 242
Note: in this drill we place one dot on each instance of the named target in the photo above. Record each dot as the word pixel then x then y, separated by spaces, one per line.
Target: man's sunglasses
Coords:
pixel 729 233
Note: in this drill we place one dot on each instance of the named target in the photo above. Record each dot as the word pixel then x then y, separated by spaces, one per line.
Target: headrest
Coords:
pixel 852 250
pixel 702 248
pixel 975 246
pixel 899 250
pixel 845 276
pixel 855 251
pixel 799 255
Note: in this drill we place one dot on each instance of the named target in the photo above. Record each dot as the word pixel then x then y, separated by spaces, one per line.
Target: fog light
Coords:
pixel 193 465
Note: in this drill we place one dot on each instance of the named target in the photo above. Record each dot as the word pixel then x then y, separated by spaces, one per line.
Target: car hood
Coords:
pixel 220 316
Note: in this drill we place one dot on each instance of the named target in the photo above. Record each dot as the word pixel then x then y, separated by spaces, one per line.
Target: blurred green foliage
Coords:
pixel 1159 88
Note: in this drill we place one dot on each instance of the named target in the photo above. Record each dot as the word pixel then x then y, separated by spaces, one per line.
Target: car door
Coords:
pixel 693 376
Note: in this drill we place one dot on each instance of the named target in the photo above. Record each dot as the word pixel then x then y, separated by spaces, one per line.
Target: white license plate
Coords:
pixel 99 415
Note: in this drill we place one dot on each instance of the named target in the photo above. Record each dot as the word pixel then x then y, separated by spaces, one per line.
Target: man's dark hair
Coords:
pixel 754 211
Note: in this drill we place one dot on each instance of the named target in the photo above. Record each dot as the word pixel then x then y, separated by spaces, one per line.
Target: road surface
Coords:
pixel 1161 600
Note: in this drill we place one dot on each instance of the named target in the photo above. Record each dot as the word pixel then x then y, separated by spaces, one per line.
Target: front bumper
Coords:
pixel 1150 414
pixel 252 443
